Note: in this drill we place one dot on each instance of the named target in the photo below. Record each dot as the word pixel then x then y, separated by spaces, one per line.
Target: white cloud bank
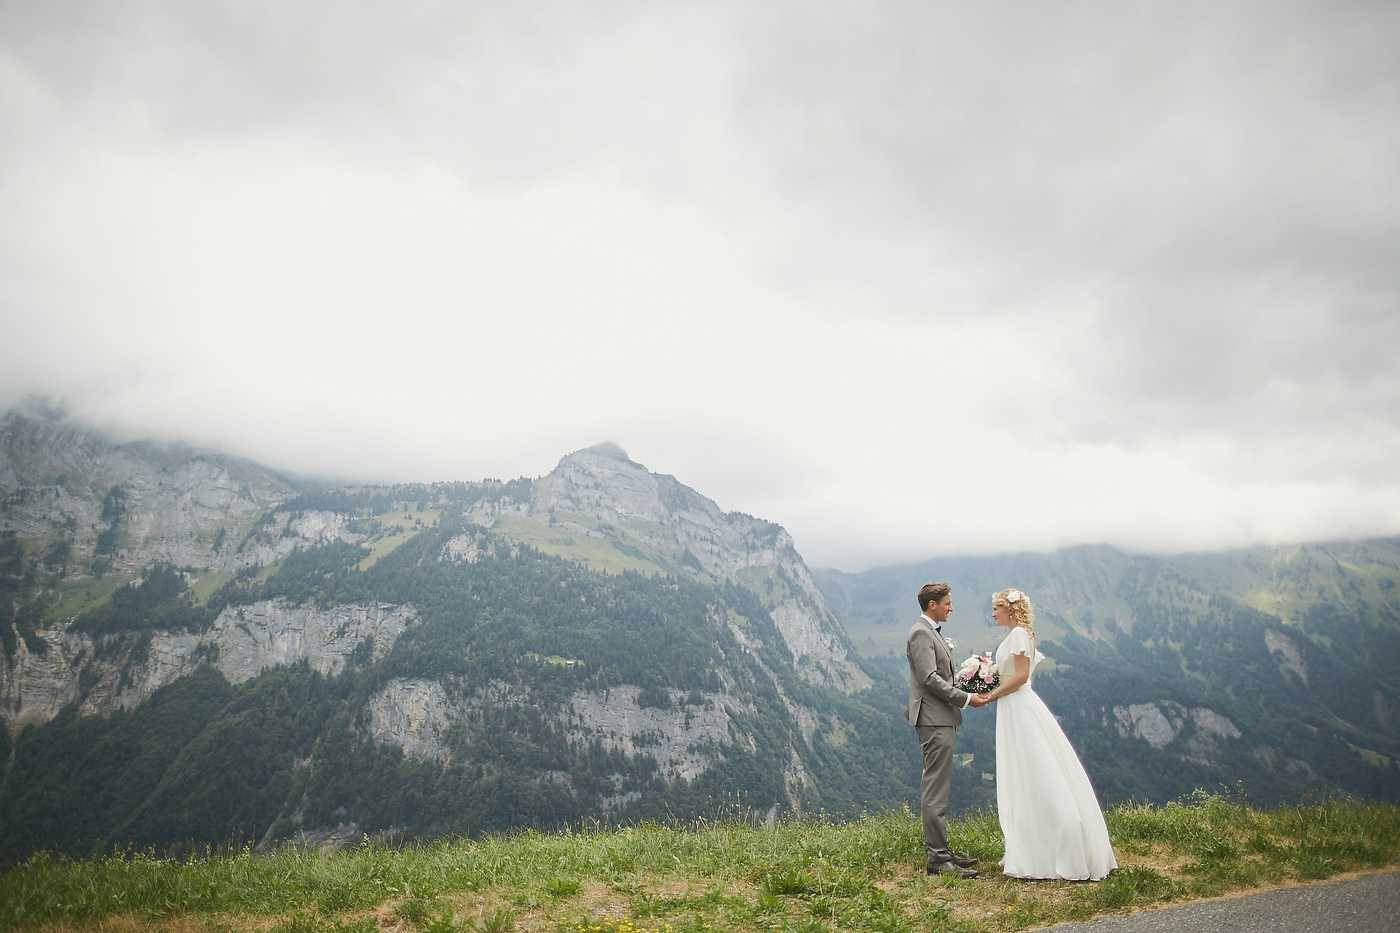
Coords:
pixel 928 282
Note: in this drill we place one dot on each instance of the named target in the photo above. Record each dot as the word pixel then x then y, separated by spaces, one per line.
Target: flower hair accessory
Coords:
pixel 1014 596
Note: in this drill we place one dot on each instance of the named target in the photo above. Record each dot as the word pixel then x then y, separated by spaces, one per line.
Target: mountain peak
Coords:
pixel 610 449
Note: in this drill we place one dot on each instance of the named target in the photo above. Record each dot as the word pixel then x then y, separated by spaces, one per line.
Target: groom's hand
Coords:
pixel 978 699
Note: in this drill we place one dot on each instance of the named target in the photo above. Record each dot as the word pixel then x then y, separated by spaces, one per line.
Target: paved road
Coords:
pixel 1369 904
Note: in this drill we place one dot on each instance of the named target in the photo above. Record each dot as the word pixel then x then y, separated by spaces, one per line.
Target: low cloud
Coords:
pixel 912 279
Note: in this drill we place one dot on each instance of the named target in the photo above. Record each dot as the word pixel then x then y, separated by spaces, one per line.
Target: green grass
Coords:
pixel 597 553
pixel 79 596
pixel 399 526
pixel 380 546
pixel 207 584
pixel 807 874
pixel 409 519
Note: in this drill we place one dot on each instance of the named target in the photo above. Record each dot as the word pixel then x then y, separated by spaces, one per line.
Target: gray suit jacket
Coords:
pixel 933 700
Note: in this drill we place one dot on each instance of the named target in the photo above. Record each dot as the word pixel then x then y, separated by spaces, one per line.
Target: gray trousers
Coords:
pixel 937 745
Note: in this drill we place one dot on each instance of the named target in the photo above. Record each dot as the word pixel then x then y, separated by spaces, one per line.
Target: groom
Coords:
pixel 935 712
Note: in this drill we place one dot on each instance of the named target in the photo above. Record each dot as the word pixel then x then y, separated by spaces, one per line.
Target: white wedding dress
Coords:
pixel 1049 815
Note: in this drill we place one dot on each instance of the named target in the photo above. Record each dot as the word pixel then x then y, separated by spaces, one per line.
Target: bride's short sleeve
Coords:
pixel 1020 642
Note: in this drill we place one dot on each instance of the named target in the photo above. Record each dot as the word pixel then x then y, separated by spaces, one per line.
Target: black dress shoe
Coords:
pixel 963 861
pixel 950 867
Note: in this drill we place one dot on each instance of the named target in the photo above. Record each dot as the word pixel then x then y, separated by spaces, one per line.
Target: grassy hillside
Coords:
pixel 1096 592
pixel 727 875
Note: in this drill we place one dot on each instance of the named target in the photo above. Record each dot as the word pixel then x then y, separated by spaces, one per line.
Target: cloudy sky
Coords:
pixel 910 278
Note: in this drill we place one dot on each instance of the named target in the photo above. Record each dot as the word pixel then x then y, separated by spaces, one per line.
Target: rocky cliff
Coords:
pixel 600 500
pixel 326 584
pixel 63 482
pixel 242 642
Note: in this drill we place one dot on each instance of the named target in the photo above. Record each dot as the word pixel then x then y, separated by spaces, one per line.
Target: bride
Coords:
pixel 1049 815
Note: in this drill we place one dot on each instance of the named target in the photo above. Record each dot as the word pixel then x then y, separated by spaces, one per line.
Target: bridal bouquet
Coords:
pixel 977 675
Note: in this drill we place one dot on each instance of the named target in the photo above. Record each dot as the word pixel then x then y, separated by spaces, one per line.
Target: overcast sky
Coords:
pixel 909 278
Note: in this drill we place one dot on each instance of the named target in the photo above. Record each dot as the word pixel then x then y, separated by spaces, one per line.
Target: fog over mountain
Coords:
pixel 915 279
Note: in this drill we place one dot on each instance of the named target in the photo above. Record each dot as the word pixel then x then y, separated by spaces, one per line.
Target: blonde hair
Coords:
pixel 1021 610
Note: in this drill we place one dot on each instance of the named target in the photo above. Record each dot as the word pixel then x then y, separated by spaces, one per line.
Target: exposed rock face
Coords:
pixel 486 512
pixel 1159 724
pixel 818 650
pixel 35 686
pixel 271 633
pixel 1286 652
pixel 179 505
pixel 1145 721
pixel 242 641
pixel 1212 723
pixel 416 714
pixel 462 549
pixel 807 721
pixel 795 776
pixel 470 548
pixel 284 533
pixel 412 714
pixel 600 492
pixel 683 740
pixel 56 475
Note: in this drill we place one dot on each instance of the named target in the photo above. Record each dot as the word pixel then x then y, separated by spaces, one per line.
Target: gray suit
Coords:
pixel 935 711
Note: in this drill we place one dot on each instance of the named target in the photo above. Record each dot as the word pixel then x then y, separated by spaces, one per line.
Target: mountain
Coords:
pixel 198 649
pixel 610 513
pixel 124 506
pixel 195 649
pixel 1271 671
